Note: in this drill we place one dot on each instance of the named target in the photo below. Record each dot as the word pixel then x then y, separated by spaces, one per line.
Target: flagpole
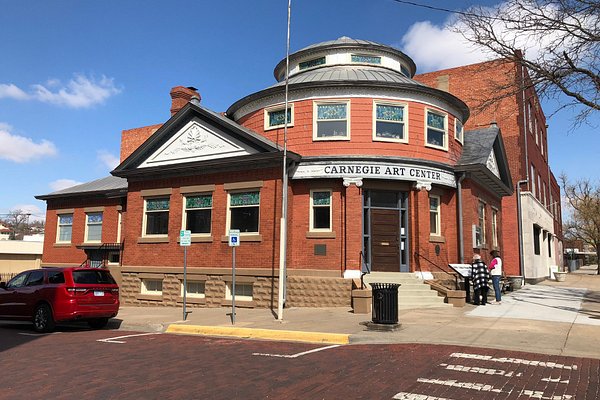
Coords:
pixel 284 202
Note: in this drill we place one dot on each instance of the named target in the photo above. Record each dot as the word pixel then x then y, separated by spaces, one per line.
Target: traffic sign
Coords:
pixel 185 238
pixel 234 237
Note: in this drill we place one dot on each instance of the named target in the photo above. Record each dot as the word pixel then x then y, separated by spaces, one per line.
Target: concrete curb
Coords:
pixel 255 333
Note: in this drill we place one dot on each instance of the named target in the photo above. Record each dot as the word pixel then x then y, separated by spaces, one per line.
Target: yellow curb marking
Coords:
pixel 251 333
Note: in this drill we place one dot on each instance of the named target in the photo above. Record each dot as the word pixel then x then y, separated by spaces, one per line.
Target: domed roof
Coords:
pixel 347 74
pixel 347 45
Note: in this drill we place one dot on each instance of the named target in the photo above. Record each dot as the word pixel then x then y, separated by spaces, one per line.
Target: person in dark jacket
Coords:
pixel 479 279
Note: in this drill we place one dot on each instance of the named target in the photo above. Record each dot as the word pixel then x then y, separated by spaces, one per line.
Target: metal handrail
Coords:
pixel 364 269
pixel 438 267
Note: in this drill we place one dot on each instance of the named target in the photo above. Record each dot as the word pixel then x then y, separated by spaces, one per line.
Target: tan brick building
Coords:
pixel 383 177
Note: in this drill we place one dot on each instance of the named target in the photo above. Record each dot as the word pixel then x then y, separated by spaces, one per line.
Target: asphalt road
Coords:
pixel 79 363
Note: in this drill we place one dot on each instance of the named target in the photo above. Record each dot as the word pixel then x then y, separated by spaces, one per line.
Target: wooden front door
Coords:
pixel 385 244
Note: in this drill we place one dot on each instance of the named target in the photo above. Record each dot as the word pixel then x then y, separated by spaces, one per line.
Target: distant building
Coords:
pixel 4 232
pixel 386 175
pixel 17 256
pixel 519 115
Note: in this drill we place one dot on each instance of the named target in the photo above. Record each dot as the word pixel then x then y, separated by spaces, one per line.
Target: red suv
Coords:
pixel 49 295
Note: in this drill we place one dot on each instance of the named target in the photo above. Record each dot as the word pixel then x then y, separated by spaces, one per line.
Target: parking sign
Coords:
pixel 185 238
pixel 234 237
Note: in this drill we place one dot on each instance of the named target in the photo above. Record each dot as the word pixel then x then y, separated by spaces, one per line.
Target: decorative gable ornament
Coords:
pixel 195 142
pixel 492 164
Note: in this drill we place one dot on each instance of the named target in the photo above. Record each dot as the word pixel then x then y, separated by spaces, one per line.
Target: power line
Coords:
pixel 446 10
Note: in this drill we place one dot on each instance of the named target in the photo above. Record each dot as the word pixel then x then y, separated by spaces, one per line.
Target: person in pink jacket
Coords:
pixel 496 274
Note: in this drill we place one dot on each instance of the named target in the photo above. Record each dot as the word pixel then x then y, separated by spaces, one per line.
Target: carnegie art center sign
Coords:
pixel 374 170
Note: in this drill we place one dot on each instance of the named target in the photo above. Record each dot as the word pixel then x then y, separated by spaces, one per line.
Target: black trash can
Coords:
pixel 385 303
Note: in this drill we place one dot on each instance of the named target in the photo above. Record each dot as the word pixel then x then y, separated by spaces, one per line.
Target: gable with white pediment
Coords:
pixel 196 142
pixel 492 164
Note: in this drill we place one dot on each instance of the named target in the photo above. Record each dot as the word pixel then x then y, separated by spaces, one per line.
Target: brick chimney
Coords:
pixel 180 96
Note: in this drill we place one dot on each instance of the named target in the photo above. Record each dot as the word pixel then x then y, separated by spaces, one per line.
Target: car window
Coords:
pixel 92 276
pixel 36 278
pixel 18 281
pixel 56 277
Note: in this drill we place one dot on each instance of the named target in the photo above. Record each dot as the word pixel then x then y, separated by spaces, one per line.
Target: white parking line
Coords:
pixel 297 354
pixel 510 360
pixel 465 385
pixel 536 394
pixel 480 370
pixel 113 339
pixel 416 396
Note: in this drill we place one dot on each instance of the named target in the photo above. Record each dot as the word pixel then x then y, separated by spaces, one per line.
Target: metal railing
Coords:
pixel 365 269
pixel 450 274
pixel 7 276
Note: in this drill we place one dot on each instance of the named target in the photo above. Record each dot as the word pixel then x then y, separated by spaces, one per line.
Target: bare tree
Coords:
pixel 583 198
pixel 560 40
pixel 18 222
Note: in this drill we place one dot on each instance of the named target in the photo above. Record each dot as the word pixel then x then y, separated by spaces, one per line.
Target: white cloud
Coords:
pixel 110 160
pixel 13 92
pixel 61 184
pixel 22 149
pixel 79 92
pixel 434 47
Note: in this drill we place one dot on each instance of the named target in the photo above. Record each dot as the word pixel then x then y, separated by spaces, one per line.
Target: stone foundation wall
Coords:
pixel 302 291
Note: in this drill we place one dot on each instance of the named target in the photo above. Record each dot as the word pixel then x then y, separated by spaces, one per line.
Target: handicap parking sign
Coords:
pixel 234 237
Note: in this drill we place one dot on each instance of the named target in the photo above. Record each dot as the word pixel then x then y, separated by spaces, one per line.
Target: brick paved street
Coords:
pixel 73 363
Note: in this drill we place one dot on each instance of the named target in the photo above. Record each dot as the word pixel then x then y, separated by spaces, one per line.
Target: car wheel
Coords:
pixel 42 319
pixel 98 323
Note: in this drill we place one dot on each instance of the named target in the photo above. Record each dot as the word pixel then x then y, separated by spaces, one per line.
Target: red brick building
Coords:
pixel 501 91
pixel 383 177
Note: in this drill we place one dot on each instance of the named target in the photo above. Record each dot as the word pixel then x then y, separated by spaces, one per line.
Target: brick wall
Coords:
pixel 69 254
pixel 300 138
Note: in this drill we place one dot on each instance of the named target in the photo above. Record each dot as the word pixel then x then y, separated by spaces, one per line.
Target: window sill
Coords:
pixel 245 238
pixel 437 239
pixel 320 235
pixel 150 297
pixel 432 146
pixel 63 244
pixel 379 139
pixel 192 300
pixel 331 138
pixel 240 303
pixel 151 239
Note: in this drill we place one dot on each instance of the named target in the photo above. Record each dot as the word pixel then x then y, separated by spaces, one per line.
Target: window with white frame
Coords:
pixel 532 181
pixel 434 216
pixel 244 211
pixel 539 186
pixel 93 227
pixel 243 291
pixel 315 62
pixel 481 222
pixel 156 216
pixel 389 122
pixel 437 129
pixel 198 213
pixel 275 117
pixel 119 226
pixel 65 228
pixel 494 228
pixel 458 130
pixel 152 286
pixel 365 59
pixel 195 289
pixel 331 120
pixel 320 210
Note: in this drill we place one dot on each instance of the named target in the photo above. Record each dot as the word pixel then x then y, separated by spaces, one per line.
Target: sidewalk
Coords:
pixel 560 318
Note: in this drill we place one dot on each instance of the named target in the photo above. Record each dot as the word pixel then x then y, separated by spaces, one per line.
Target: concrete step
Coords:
pixel 412 293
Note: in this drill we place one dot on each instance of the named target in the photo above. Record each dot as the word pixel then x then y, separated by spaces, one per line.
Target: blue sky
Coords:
pixel 74 74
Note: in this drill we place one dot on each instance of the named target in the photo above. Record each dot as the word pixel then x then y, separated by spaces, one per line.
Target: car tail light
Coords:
pixel 75 291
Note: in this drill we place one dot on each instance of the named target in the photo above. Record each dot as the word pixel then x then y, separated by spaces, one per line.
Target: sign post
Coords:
pixel 234 241
pixel 185 240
